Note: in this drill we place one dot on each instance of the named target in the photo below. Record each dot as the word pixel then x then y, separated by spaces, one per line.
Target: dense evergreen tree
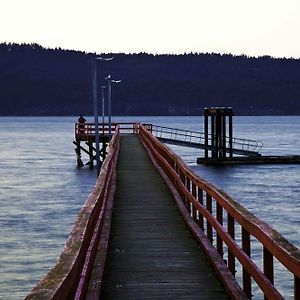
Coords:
pixel 39 81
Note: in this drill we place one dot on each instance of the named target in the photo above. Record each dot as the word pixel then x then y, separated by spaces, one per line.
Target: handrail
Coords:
pixel 200 137
pixel 90 127
pixel 69 278
pixel 207 205
pixel 88 130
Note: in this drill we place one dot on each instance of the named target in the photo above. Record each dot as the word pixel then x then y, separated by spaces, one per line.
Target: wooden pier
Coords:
pixel 151 249
pixel 152 229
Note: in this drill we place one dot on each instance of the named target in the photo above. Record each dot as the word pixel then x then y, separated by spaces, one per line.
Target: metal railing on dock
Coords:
pixel 197 137
pixel 177 136
pixel 217 221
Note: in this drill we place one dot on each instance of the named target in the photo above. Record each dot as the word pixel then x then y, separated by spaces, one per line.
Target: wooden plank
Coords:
pixel 151 254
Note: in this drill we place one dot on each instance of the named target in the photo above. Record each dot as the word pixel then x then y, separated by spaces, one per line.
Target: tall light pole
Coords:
pixel 95 102
pixel 103 87
pixel 109 82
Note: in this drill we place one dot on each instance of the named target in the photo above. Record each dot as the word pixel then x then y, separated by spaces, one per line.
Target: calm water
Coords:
pixel 41 189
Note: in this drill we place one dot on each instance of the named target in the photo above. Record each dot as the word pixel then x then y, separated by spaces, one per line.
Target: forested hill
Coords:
pixel 39 81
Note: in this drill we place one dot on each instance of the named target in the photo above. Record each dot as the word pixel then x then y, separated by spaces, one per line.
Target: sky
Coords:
pixel 250 27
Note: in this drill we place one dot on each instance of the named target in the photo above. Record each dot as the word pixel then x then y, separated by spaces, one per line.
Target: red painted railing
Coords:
pixel 221 218
pixel 70 277
pixel 87 131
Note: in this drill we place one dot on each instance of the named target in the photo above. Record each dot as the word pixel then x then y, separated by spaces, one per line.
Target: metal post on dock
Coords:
pixel 103 87
pixel 109 89
pixel 218 130
pixel 206 136
pixel 95 102
pixel 223 136
pixel 213 136
pixel 230 135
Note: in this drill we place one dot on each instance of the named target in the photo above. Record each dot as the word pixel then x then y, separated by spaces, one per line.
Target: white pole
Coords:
pixel 95 101
pixel 103 87
pixel 109 107
pixel 109 81
pixel 96 112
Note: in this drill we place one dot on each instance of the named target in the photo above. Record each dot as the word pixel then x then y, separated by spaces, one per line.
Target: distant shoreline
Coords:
pixel 117 116
pixel 35 81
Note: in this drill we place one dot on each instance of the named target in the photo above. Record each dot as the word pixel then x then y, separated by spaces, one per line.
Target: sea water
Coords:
pixel 42 190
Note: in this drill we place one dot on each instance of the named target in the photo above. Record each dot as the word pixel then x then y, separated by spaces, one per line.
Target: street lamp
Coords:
pixel 109 82
pixel 95 102
pixel 103 87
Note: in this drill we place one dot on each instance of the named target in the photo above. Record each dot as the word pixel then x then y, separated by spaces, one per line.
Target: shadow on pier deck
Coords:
pixel 152 229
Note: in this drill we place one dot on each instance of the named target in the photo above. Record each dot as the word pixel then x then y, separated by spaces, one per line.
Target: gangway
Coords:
pixel 197 139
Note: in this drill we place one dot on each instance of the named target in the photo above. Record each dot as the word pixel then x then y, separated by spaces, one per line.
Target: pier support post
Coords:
pixel 216 139
pixel 296 287
pixel 206 136
pixel 91 154
pixel 78 153
pixel 103 151
pixel 230 134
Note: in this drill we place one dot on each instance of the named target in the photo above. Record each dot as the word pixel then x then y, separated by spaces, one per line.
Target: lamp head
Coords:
pixel 104 58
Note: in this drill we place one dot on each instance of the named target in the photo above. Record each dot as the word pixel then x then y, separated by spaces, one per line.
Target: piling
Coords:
pixel 217 136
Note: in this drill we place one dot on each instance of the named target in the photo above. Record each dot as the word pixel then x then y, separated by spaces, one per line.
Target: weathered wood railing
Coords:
pixel 87 131
pixel 218 215
pixel 69 278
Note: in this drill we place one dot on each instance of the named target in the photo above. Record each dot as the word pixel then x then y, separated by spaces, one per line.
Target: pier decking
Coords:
pixel 151 254
pixel 153 229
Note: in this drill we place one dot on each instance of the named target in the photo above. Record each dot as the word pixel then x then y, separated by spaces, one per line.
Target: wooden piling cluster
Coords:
pixel 218 131
pixel 86 134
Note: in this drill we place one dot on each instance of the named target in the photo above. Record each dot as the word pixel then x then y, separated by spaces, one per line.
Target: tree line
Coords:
pixel 40 81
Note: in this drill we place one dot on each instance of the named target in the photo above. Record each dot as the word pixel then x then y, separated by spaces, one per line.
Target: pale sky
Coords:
pixel 251 27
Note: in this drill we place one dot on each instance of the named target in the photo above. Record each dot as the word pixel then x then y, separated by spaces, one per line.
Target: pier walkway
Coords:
pixel 151 254
pixel 152 229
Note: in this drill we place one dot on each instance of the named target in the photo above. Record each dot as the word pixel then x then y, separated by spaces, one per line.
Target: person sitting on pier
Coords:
pixel 81 122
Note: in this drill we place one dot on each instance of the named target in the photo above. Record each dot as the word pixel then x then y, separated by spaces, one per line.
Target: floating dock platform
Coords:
pixel 239 160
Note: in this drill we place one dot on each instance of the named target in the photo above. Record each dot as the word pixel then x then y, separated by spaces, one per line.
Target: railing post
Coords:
pixel 175 167
pixel 296 288
pixel 194 195
pixel 182 178
pixel 247 250
pixel 208 226
pixel 268 265
pixel 220 220
pixel 188 186
pixel 231 257
pixel 200 200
